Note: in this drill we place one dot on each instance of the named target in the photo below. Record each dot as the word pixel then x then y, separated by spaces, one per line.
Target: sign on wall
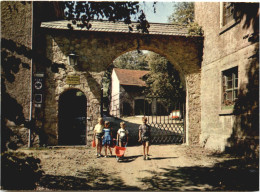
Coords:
pixel 38 89
pixel 73 80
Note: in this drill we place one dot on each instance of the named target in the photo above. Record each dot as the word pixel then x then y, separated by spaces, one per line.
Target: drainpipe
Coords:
pixel 31 96
pixel 101 106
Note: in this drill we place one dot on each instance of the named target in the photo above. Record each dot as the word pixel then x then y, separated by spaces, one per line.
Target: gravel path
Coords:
pixel 172 167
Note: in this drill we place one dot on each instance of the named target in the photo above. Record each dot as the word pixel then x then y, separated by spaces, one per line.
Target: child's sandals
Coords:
pixel 145 157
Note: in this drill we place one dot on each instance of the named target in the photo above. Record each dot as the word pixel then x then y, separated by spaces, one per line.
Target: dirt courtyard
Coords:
pixel 172 167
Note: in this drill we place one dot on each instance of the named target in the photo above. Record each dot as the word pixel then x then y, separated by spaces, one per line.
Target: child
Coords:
pixel 98 132
pixel 107 138
pixel 122 135
pixel 145 137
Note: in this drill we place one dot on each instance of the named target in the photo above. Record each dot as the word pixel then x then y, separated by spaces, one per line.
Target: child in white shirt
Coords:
pixel 122 135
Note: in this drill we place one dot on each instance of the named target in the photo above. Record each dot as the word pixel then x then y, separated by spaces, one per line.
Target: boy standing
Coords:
pixel 122 135
pixel 145 137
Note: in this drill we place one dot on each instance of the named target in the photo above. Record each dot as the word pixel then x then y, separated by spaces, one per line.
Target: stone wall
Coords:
pixel 224 47
pixel 193 108
pixel 16 28
pixel 96 51
pixel 90 85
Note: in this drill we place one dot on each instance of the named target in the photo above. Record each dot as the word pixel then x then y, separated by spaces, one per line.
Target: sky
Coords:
pixel 163 11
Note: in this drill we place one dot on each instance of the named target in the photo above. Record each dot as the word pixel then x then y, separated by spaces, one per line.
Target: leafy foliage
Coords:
pixel 85 11
pixel 195 29
pixel 163 80
pixel 183 13
pixel 21 172
pixel 132 60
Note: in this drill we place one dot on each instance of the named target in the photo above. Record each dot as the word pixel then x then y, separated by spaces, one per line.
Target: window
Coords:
pixel 228 12
pixel 228 16
pixel 230 86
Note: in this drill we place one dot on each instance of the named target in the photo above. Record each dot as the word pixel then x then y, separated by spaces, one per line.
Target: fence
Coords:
pixel 167 122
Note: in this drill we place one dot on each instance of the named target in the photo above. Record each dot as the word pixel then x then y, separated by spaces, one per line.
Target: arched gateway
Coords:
pixel 97 47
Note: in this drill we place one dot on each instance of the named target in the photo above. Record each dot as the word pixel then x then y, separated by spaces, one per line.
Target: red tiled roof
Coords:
pixel 130 77
pixel 121 27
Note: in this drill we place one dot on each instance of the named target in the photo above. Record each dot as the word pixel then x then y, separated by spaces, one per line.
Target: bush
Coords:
pixel 195 29
pixel 19 171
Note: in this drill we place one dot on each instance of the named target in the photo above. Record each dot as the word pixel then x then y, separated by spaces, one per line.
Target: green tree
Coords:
pixel 183 13
pixel 132 60
pixel 163 80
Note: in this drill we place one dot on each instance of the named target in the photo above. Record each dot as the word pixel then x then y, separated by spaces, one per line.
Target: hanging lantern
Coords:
pixel 73 59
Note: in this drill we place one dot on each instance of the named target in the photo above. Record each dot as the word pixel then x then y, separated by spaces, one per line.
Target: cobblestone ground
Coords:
pixel 172 167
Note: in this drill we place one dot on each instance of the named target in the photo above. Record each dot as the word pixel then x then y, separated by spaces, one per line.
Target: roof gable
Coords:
pixel 130 77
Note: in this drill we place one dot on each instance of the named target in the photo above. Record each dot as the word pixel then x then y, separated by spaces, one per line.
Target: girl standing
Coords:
pixel 98 133
pixel 107 138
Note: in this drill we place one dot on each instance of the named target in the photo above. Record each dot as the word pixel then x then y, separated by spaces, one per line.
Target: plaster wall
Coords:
pixel 16 44
pixel 15 14
pixel 115 95
pixel 224 48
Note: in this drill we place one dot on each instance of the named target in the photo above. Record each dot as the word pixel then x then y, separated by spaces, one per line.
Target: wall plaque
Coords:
pixel 73 80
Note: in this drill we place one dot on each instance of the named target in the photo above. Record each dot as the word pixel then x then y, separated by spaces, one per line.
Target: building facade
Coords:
pixel 229 75
pixel 127 97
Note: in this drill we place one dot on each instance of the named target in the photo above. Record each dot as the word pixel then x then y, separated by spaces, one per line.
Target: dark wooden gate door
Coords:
pixel 72 118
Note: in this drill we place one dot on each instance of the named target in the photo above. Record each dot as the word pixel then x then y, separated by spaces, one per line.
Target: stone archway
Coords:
pixel 97 48
pixel 72 118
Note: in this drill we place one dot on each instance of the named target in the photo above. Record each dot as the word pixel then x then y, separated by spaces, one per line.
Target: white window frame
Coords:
pixel 233 89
